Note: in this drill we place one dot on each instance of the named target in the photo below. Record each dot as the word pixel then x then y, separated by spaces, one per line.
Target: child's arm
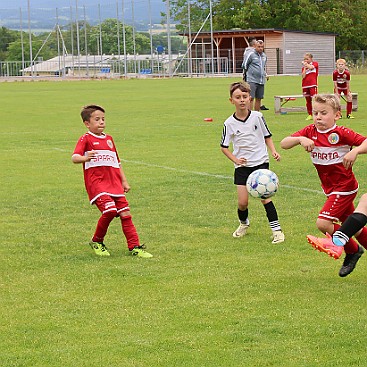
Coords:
pixel 291 141
pixel 233 158
pixel 351 156
pixel 77 158
pixel 270 144
pixel 125 184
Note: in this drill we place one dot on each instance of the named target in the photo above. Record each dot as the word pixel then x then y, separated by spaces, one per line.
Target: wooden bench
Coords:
pixel 281 103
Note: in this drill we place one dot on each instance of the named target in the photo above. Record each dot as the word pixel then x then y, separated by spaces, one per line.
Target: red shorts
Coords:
pixel 106 203
pixel 309 92
pixel 342 91
pixel 338 207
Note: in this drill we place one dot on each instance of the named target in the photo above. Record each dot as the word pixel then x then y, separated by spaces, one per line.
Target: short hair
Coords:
pixel 87 111
pixel 341 60
pixel 252 41
pixel 260 42
pixel 308 55
pixel 329 99
pixel 242 86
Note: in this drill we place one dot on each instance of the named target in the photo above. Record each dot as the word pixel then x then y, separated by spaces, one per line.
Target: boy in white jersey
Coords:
pixel 105 181
pixel 332 153
pixel 247 131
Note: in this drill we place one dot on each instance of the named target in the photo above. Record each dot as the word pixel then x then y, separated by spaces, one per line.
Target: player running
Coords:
pixel 332 153
pixel 105 181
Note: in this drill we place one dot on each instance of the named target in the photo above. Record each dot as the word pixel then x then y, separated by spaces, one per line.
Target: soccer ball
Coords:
pixel 262 183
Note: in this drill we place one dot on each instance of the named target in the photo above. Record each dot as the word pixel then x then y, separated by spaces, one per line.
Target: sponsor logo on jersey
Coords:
pixel 103 158
pixel 333 138
pixel 96 143
pixel 329 155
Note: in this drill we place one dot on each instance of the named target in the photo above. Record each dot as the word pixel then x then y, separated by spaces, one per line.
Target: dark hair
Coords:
pixel 252 41
pixel 88 110
pixel 242 86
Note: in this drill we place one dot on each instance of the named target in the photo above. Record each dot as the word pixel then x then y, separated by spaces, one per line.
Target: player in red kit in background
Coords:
pixel 105 181
pixel 341 79
pixel 310 73
pixel 332 153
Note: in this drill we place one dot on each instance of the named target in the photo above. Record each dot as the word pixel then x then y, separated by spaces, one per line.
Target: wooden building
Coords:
pixel 284 48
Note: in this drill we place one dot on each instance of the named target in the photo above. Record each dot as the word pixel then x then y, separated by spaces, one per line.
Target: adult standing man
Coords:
pixel 255 65
pixel 248 50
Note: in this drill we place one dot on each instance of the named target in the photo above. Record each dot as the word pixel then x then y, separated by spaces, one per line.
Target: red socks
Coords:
pixel 102 226
pixel 130 232
pixel 309 105
pixel 362 238
pixel 349 108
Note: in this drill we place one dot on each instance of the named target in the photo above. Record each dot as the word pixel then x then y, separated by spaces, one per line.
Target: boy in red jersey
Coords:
pixel 310 73
pixel 341 79
pixel 105 181
pixel 332 153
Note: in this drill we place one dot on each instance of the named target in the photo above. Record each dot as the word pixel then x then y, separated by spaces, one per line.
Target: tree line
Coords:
pixel 105 38
pixel 345 18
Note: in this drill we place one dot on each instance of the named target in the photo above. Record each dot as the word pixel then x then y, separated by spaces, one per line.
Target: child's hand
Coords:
pixel 90 155
pixel 349 159
pixel 241 161
pixel 276 156
pixel 126 186
pixel 307 143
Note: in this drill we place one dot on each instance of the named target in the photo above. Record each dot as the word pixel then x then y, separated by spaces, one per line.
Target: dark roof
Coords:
pixel 256 31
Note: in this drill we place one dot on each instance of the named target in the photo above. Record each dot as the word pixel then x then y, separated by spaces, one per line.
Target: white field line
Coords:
pixel 211 175
pixel 198 173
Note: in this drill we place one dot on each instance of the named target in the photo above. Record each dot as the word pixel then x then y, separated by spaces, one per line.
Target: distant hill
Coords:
pixel 44 16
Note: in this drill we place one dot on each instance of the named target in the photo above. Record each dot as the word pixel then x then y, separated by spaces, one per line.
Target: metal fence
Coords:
pixel 113 67
pixel 356 60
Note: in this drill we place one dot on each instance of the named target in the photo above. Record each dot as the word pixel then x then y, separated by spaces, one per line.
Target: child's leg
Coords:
pixel 272 215
pixel 351 247
pixel 129 230
pixel 102 226
pixel 349 108
pixel 242 212
pixel 309 104
pixel 354 225
pixel 349 103
pixel 107 206
pixel 242 197
pixel 127 224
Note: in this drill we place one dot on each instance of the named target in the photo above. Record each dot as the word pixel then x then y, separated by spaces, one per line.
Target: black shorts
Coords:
pixel 241 173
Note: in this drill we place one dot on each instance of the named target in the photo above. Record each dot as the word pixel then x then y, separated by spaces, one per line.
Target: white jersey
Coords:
pixel 247 137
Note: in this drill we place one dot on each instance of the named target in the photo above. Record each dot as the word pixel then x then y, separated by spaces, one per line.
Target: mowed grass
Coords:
pixel 205 299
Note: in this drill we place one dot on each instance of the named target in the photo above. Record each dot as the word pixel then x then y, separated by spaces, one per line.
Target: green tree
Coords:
pixel 108 32
pixel 38 49
pixel 343 17
pixel 6 37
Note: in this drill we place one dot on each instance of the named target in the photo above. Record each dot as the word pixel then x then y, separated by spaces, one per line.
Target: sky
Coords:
pixel 16 4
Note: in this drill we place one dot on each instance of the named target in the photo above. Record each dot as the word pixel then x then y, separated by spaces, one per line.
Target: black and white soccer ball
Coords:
pixel 262 184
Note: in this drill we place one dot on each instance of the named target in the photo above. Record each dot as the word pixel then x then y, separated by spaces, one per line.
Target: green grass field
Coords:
pixel 205 299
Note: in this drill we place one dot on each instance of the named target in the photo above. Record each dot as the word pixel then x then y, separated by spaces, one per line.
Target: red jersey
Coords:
pixel 102 175
pixel 327 156
pixel 310 80
pixel 341 79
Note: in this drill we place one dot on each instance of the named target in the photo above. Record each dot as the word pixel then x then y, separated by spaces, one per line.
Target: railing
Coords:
pixel 115 68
